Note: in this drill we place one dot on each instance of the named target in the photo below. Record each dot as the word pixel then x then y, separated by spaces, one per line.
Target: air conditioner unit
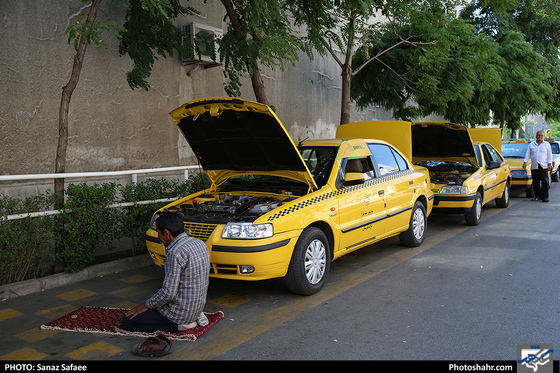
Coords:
pixel 197 40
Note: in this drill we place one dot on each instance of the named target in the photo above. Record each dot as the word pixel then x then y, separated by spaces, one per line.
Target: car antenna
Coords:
pixel 300 141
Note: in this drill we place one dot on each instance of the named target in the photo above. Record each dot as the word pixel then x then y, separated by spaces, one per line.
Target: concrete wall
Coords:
pixel 112 127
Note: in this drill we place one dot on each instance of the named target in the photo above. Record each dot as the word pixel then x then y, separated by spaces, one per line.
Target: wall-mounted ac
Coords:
pixel 197 40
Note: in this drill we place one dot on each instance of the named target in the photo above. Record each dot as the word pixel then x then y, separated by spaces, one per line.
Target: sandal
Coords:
pixel 153 346
pixel 535 199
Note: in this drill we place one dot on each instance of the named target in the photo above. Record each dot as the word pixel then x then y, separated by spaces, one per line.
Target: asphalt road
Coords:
pixel 468 293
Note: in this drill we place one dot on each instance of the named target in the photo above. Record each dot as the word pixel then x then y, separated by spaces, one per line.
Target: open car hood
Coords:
pixel 437 140
pixel 233 137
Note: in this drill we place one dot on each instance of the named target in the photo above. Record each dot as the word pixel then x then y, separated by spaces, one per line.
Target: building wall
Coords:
pixel 112 127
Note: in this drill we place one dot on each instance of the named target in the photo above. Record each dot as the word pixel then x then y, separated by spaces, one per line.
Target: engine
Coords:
pixel 449 177
pixel 229 207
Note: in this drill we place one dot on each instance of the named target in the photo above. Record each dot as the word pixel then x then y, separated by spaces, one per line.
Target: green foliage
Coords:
pixel 24 243
pixel 90 225
pixel 480 67
pixel 149 31
pixel 265 37
pixel 526 33
pixel 428 61
pixel 90 34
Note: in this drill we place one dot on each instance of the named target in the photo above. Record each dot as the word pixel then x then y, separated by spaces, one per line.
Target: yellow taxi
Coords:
pixel 514 151
pixel 465 173
pixel 280 210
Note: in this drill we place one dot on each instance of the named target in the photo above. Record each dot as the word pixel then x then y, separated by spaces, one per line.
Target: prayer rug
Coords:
pixel 108 321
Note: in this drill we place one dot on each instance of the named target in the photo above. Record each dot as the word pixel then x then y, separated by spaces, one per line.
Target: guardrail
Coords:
pixel 82 175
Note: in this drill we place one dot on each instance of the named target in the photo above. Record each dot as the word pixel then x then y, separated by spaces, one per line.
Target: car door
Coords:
pixel 361 204
pixel 398 185
pixel 494 177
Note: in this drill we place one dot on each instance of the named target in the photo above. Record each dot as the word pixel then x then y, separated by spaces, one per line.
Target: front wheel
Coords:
pixel 414 235
pixel 310 263
pixel 473 216
pixel 503 201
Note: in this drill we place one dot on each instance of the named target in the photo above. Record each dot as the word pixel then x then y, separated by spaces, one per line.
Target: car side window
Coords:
pixel 496 157
pixel 361 165
pixel 385 158
pixel 491 155
pixel 400 160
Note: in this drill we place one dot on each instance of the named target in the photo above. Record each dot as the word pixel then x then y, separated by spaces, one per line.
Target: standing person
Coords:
pixel 179 303
pixel 540 154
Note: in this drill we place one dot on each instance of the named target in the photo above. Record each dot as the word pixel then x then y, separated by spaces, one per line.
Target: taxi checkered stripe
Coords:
pixel 326 196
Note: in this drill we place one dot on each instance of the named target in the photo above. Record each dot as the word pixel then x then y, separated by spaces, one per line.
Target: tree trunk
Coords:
pixel 67 90
pixel 345 104
pixel 347 74
pixel 503 118
pixel 252 66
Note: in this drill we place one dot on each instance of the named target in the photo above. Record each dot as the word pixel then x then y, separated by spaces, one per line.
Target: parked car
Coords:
pixel 555 145
pixel 514 151
pixel 464 174
pixel 280 210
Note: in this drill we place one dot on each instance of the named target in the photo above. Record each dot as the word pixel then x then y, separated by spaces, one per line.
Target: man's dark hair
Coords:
pixel 172 222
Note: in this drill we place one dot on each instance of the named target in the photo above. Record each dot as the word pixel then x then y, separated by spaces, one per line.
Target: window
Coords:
pixel 319 161
pixel 361 165
pixel 385 158
pixel 491 154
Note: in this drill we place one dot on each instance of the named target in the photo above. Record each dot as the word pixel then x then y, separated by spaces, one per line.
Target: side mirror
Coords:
pixel 494 164
pixel 353 178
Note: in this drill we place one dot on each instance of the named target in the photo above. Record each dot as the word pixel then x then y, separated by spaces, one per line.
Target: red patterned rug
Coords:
pixel 108 320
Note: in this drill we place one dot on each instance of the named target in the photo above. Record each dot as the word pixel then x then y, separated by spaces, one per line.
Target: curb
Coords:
pixel 36 285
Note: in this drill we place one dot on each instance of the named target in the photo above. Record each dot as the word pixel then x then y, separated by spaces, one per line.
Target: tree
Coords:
pixel 524 85
pixel 426 62
pixel 148 32
pixel 338 27
pixel 259 33
pixel 84 34
pixel 528 39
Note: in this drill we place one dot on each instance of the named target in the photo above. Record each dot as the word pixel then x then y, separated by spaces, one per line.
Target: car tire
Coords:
pixel 310 263
pixel 414 235
pixel 529 192
pixel 473 216
pixel 554 176
pixel 503 201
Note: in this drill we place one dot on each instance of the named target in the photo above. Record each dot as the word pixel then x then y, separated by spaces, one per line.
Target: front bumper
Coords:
pixel 269 257
pixel 453 203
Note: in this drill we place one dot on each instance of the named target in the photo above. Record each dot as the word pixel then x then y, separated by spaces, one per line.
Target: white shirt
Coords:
pixel 540 154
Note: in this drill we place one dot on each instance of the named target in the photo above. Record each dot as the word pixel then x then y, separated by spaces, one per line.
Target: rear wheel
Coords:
pixel 310 263
pixel 473 216
pixel 414 235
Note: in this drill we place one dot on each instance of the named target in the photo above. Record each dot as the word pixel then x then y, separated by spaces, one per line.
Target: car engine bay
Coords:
pixel 223 208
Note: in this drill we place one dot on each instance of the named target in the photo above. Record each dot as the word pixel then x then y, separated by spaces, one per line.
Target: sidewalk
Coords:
pixel 20 288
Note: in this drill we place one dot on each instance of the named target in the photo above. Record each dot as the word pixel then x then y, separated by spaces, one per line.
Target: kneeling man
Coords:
pixel 180 301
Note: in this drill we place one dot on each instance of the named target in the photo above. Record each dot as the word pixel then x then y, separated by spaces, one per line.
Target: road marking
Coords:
pixel 95 351
pixel 76 294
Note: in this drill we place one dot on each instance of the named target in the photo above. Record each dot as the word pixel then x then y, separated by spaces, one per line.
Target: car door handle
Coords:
pixel 381 192
pixel 411 182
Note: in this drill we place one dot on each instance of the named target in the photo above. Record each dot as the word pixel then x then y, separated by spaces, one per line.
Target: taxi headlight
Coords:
pixel 520 172
pixel 454 189
pixel 153 221
pixel 247 231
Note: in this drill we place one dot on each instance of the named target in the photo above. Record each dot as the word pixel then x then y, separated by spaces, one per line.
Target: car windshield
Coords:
pixel 515 150
pixel 264 183
pixel 320 161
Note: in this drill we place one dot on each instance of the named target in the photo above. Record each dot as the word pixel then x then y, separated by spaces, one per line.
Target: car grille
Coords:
pixel 200 231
